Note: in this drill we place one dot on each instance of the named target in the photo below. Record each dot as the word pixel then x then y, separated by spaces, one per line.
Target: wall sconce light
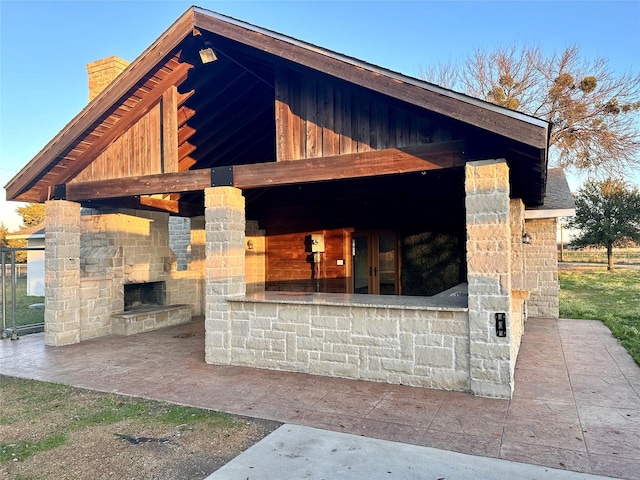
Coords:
pixel 250 245
pixel 526 238
pixel 207 55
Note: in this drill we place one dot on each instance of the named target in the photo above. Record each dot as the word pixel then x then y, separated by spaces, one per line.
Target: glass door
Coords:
pixel 361 280
pixel 375 263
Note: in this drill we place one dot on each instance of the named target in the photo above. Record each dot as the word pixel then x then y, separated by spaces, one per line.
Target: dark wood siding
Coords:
pixel 290 267
pixel 317 116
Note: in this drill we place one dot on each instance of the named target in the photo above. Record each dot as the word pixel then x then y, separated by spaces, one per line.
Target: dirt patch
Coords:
pixel 50 431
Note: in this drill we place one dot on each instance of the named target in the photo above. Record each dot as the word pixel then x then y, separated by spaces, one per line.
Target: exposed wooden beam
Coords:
pixel 177 182
pixel 354 165
pixel 183 97
pixel 185 133
pixel 184 114
pixel 367 164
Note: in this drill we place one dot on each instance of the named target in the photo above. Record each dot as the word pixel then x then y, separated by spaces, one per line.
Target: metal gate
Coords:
pixel 22 291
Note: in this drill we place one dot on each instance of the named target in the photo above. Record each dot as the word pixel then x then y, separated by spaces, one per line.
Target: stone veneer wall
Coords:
pixel 425 348
pixel 488 217
pixel 180 240
pixel 130 247
pixel 541 265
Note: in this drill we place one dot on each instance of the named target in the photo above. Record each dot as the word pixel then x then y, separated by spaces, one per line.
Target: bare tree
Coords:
pixel 593 112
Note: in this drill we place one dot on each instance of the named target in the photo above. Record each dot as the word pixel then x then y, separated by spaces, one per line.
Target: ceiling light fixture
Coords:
pixel 207 55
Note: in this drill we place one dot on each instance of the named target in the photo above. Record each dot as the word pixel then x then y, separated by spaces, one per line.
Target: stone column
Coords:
pixel 489 276
pixel 224 267
pixel 62 273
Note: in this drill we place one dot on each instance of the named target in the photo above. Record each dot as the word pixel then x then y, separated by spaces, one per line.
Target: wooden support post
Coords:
pixel 170 130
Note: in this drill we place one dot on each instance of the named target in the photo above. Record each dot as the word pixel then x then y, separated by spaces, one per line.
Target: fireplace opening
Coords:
pixel 144 295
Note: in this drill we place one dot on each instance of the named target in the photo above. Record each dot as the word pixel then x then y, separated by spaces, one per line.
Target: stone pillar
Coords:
pixel 62 273
pixel 489 276
pixel 224 267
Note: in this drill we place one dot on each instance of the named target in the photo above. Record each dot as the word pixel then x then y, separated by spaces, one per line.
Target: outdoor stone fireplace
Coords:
pixel 145 309
pixel 139 296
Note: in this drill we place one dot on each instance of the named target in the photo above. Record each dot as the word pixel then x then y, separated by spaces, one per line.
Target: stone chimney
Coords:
pixel 102 73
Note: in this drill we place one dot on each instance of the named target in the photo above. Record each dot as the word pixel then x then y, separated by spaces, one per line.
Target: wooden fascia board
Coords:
pixel 355 165
pixel 470 112
pixel 94 111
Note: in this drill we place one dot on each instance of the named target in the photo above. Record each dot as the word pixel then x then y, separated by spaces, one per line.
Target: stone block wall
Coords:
pixel 541 265
pixel 180 240
pixel 96 307
pixel 119 247
pixel 425 348
pixel 489 242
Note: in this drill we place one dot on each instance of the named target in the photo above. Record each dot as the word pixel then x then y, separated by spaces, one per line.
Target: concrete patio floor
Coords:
pixel 576 404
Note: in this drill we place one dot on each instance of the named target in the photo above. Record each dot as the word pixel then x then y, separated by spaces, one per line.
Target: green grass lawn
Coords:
pixel 72 409
pixel 613 297
pixel 24 314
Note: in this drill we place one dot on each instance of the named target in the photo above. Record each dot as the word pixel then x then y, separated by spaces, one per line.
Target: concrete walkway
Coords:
pixel 293 452
pixel 576 405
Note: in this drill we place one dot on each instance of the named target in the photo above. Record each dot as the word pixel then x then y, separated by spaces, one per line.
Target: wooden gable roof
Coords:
pixel 258 55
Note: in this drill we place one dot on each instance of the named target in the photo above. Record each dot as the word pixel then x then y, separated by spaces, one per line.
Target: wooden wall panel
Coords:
pixel 290 267
pixel 320 117
pixel 136 152
pixel 313 131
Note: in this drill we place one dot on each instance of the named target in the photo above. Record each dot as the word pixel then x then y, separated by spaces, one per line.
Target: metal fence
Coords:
pixel 22 271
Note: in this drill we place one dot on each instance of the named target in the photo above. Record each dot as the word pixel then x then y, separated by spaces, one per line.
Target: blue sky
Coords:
pixel 45 45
